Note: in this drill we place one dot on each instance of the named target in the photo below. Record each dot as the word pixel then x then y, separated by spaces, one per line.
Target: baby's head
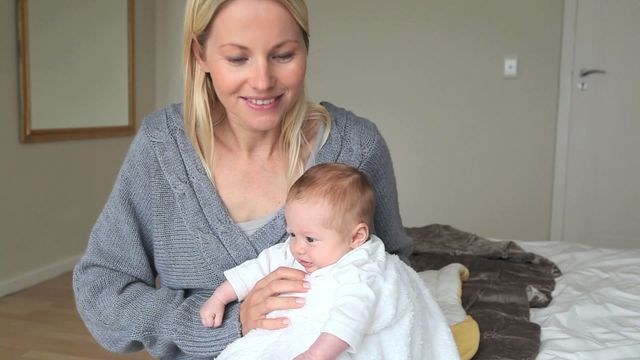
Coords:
pixel 329 212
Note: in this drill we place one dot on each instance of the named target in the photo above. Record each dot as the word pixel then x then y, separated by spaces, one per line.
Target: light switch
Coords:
pixel 510 67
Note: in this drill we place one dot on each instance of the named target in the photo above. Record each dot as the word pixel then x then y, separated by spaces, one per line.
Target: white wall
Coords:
pixel 169 77
pixel 51 193
pixel 470 148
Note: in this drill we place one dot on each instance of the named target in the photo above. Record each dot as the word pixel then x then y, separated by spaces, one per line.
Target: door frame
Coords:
pixel 563 125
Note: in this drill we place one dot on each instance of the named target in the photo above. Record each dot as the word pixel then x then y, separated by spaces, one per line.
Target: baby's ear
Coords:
pixel 359 235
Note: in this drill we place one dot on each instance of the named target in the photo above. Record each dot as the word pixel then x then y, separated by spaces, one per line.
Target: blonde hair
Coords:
pixel 346 190
pixel 203 110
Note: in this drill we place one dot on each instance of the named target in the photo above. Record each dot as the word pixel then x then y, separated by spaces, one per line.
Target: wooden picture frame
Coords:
pixel 76 69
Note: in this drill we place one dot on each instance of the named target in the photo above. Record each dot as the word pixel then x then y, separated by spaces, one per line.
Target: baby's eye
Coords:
pixel 311 240
pixel 292 235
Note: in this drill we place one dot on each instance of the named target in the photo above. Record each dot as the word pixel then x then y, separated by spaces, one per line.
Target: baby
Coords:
pixel 351 309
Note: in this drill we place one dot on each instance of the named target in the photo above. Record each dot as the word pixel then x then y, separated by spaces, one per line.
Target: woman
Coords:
pixel 203 185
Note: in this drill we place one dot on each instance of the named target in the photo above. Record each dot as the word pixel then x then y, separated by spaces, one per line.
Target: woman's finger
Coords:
pixel 264 298
pixel 272 324
pixel 278 287
pixel 281 273
pixel 278 303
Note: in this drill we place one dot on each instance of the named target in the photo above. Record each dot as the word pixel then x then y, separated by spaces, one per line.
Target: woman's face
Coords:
pixel 257 59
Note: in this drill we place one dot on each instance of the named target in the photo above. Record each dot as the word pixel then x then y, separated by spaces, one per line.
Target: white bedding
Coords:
pixel 595 312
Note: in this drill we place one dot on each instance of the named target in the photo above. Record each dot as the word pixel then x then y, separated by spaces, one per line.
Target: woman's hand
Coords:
pixel 264 299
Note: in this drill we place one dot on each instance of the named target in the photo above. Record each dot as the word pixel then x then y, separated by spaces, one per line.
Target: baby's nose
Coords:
pixel 298 247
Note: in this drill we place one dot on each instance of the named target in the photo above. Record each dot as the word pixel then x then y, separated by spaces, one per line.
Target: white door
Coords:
pixel 597 181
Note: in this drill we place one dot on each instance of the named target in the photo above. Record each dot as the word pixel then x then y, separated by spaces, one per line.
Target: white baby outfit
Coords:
pixel 370 299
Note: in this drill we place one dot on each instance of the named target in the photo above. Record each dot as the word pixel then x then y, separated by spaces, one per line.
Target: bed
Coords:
pixel 544 299
pixel 595 311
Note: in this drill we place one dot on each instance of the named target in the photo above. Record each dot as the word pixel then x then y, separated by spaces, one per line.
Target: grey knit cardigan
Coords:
pixel 165 219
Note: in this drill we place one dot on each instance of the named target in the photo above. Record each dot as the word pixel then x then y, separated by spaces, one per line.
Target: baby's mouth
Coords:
pixel 306 264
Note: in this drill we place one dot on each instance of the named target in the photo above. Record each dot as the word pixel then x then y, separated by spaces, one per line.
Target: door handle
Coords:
pixel 587 72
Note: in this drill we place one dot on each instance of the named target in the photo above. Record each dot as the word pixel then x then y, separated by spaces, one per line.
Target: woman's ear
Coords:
pixel 197 54
pixel 359 235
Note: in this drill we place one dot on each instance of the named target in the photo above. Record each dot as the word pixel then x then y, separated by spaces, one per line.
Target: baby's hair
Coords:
pixel 345 189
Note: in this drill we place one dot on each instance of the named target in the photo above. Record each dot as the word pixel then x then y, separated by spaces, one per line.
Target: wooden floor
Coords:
pixel 42 323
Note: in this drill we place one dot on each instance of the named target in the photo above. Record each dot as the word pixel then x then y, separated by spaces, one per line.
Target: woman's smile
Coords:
pixel 262 103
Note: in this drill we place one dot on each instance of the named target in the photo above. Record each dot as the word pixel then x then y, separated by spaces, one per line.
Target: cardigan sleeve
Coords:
pixel 114 282
pixel 387 221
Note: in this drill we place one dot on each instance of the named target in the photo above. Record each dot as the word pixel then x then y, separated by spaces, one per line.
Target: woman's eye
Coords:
pixel 237 60
pixel 284 57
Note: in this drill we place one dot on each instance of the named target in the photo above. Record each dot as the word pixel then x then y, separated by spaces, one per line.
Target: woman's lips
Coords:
pixel 262 103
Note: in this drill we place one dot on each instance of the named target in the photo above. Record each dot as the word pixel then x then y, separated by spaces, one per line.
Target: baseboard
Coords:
pixel 37 276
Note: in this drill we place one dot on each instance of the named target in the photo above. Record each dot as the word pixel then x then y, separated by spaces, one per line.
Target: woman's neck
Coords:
pixel 248 144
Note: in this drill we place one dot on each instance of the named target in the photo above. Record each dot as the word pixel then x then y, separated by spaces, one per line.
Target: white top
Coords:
pixel 251 226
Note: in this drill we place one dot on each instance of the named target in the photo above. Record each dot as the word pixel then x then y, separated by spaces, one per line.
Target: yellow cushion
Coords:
pixel 467 337
pixel 466 333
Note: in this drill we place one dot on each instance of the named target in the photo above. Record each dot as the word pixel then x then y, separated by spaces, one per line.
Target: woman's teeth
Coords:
pixel 261 102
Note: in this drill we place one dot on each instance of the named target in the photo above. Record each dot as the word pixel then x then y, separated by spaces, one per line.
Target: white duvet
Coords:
pixel 595 312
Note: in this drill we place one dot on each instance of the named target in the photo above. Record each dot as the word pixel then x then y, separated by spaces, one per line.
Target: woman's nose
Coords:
pixel 262 77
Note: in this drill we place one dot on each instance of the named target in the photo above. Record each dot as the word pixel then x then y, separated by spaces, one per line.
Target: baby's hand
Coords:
pixel 326 347
pixel 307 355
pixel 212 312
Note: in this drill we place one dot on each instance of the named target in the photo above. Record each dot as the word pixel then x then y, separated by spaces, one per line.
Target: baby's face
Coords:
pixel 313 242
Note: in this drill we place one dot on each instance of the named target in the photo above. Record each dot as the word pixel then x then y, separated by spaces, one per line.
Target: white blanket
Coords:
pixel 595 312
pixel 446 286
pixel 408 325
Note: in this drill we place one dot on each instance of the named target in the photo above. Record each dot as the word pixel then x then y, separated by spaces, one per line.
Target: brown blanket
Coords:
pixel 504 282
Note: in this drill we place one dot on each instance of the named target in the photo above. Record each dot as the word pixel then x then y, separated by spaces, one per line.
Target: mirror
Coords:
pixel 76 69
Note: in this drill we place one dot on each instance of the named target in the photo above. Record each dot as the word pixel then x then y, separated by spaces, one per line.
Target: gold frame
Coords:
pixel 30 135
